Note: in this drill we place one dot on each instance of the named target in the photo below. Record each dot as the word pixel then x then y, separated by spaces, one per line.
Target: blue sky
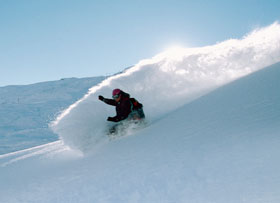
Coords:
pixel 43 40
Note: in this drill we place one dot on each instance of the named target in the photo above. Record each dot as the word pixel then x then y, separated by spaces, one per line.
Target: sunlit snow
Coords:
pixel 168 81
pixel 213 128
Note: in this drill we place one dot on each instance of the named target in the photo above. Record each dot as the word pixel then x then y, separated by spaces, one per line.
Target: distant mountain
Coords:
pixel 26 110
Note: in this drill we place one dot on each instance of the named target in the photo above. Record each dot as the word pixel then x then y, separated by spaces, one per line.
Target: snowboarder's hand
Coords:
pixel 101 98
pixel 110 119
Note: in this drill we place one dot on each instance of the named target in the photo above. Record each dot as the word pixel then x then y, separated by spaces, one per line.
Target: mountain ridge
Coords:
pixel 28 109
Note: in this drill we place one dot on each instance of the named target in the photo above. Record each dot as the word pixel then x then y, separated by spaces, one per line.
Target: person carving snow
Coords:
pixel 126 108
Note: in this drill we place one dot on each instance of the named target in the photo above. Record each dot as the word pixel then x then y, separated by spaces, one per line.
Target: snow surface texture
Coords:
pixel 168 81
pixel 26 111
pixel 222 147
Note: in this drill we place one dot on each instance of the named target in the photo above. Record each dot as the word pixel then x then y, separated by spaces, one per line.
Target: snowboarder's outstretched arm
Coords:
pixel 107 101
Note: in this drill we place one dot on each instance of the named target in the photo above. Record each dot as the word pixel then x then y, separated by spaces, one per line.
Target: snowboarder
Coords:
pixel 127 109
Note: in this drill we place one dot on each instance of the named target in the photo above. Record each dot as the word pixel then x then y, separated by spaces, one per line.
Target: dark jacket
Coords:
pixel 123 107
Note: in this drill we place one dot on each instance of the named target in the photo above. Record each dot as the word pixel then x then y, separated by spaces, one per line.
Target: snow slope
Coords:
pixel 221 147
pixel 168 81
pixel 25 111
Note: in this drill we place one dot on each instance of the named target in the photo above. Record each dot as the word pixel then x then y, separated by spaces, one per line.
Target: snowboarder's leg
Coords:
pixel 113 129
pixel 116 129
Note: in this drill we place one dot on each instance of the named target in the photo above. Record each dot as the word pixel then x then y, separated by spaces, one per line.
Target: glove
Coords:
pixel 101 98
pixel 110 119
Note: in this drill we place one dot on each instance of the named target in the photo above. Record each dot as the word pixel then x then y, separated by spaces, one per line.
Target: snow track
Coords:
pixel 42 151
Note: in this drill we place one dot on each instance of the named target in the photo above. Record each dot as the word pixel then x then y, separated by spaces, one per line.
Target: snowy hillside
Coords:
pixel 223 147
pixel 212 134
pixel 27 110
pixel 168 81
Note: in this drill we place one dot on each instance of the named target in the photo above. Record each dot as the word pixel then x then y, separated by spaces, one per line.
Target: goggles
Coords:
pixel 116 96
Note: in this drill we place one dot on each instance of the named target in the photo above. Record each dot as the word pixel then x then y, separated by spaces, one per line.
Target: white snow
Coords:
pixel 26 110
pixel 168 81
pixel 212 136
